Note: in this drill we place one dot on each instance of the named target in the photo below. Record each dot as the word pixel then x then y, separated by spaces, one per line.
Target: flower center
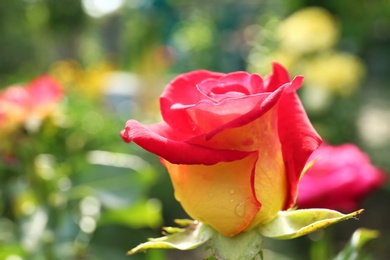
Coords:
pixel 219 91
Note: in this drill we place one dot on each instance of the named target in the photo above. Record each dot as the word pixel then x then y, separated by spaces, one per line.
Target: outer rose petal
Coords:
pixel 297 135
pixel 174 151
pixel 270 182
pixel 278 77
pixel 293 122
pixel 216 195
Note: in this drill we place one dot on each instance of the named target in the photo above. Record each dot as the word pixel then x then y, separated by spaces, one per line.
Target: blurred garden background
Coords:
pixel 70 188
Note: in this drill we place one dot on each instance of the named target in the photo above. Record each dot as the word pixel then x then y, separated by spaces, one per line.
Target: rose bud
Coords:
pixel 234 145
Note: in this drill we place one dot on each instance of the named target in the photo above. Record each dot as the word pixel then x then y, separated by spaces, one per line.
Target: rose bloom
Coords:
pixel 234 145
pixel 35 100
pixel 45 93
pixel 340 178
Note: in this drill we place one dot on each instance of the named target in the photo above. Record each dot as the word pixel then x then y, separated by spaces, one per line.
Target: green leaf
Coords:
pixel 296 223
pixel 358 239
pixel 246 245
pixel 144 213
pixel 187 238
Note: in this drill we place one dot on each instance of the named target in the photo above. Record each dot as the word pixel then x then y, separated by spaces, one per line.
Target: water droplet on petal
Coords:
pixel 241 208
pixel 232 191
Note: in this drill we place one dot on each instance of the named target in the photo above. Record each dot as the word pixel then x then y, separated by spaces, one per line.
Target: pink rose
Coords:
pixel 341 177
pixel 234 145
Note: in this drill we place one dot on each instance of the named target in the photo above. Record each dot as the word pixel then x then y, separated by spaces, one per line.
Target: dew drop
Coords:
pixel 232 191
pixel 241 208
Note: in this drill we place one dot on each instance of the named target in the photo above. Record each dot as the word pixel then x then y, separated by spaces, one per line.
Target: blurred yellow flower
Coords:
pixel 90 81
pixel 337 72
pixel 259 62
pixel 307 30
pixel 66 71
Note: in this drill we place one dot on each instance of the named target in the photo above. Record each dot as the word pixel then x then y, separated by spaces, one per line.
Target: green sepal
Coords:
pixel 358 239
pixel 296 223
pixel 246 245
pixel 194 235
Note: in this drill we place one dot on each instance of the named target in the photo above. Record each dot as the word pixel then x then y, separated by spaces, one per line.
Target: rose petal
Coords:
pixel 231 85
pixel 257 112
pixel 229 205
pixel 298 139
pixel 208 116
pixel 278 78
pixel 183 90
pixel 245 133
pixel 270 181
pixel 175 151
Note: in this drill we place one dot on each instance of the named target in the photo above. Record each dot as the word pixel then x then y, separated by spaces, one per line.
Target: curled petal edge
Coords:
pixel 178 150
pixel 267 104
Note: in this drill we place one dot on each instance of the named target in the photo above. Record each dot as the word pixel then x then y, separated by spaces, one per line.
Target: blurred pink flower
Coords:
pixel 14 102
pixel 340 179
pixel 45 93
pixel 35 100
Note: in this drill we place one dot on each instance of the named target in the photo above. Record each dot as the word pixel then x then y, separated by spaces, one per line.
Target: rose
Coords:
pixel 234 145
pixel 339 179
pixel 45 93
pixel 13 107
pixel 35 100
